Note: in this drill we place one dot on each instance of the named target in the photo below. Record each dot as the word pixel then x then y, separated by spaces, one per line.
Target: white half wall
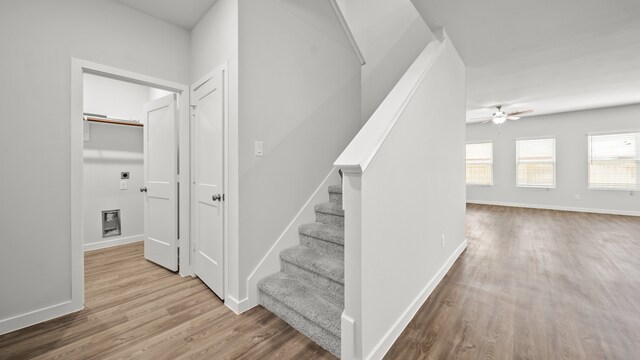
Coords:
pixel 412 221
pixel 300 95
pixel 42 37
pixel 391 35
pixel 570 130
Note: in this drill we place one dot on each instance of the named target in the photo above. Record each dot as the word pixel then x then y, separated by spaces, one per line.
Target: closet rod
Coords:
pixel 113 121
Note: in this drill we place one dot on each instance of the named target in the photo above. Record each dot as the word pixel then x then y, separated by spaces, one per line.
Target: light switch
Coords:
pixel 123 184
pixel 259 148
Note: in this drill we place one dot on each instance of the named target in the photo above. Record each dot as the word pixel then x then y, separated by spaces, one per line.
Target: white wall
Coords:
pixel 111 150
pixel 153 95
pixel 391 35
pixel 214 41
pixel 41 37
pixel 570 130
pixel 113 98
pixel 300 94
pixel 402 257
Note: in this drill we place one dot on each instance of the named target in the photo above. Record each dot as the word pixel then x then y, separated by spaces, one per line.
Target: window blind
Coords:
pixel 480 164
pixel 536 163
pixel 614 161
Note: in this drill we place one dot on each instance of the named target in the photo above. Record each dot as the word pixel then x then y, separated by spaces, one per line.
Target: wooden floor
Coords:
pixel 137 310
pixel 532 284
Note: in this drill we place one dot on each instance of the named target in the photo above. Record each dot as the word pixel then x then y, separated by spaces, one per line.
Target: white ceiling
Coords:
pixel 548 55
pixel 183 13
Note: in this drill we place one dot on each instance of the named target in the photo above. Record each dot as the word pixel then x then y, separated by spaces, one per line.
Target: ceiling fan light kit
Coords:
pixel 500 117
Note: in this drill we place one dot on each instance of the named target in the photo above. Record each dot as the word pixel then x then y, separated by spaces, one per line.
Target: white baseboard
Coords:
pixel 37 316
pixel 236 306
pixel 113 242
pixel 398 327
pixel 553 207
pixel 270 263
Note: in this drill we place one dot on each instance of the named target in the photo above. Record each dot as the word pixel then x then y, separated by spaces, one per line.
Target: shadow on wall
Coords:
pixel 381 77
pixel 299 89
pixel 301 10
pixel 282 163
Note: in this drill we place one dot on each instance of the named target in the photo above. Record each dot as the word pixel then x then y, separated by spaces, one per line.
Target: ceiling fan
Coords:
pixel 499 117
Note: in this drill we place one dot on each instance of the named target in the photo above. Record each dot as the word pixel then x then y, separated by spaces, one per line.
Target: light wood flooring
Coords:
pixel 532 284
pixel 137 310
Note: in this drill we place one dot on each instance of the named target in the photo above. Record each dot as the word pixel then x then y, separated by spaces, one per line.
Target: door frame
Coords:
pixel 222 70
pixel 80 67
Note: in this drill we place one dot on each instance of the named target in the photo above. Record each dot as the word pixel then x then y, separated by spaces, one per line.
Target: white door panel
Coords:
pixel 160 168
pixel 208 171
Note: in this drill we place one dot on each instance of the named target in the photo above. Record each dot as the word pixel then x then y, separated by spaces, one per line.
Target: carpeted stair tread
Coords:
pixel 329 208
pixel 324 232
pixel 308 292
pixel 322 264
pixel 316 305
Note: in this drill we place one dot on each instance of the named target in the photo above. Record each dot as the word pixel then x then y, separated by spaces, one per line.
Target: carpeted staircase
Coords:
pixel 308 292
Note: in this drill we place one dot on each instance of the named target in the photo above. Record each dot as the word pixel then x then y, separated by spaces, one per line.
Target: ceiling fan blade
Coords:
pixel 513 117
pixel 486 121
pixel 481 118
pixel 517 113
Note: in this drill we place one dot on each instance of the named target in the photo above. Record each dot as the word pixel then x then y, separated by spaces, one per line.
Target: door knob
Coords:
pixel 216 197
pixel 143 189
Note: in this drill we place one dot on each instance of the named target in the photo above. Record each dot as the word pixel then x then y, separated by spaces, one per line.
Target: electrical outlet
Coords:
pixel 123 184
pixel 442 241
pixel 576 197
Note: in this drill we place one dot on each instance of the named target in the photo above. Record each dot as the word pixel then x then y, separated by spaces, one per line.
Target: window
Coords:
pixel 480 164
pixel 614 161
pixel 536 163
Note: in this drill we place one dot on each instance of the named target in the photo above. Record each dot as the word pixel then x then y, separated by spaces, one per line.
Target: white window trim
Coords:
pixel 600 133
pixel 555 162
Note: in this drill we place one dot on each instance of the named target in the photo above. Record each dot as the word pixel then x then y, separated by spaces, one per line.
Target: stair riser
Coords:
pixel 321 336
pixel 313 278
pixel 335 198
pixel 323 246
pixel 330 219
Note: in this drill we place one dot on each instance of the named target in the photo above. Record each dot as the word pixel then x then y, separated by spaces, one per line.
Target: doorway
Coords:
pixel 167 186
pixel 114 160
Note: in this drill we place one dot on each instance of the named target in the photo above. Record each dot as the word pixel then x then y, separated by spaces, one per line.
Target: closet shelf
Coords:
pixel 113 121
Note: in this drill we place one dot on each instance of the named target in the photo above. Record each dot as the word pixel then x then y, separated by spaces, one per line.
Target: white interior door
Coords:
pixel 208 188
pixel 160 171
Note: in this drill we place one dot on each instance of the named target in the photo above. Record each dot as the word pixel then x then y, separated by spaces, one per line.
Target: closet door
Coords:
pixel 208 171
pixel 160 189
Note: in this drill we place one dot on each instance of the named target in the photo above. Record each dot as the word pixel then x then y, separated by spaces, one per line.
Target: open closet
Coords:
pixel 113 165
